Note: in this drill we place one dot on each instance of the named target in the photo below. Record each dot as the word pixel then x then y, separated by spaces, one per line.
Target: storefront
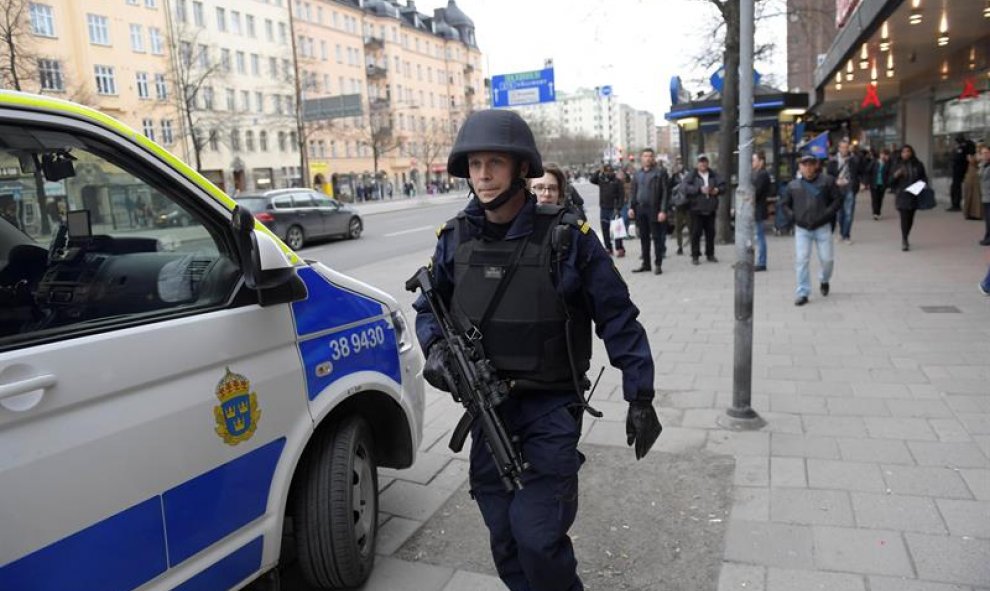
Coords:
pixel 774 114
pixel 908 71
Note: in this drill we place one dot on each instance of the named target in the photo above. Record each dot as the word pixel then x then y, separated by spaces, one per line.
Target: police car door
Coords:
pixel 145 398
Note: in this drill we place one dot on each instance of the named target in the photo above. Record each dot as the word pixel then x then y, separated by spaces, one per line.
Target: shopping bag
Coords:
pixel 617 228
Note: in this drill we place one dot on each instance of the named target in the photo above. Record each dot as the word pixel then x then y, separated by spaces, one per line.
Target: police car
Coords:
pixel 174 400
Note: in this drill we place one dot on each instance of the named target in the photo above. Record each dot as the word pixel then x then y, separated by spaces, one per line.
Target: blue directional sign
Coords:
pixel 605 91
pixel 523 88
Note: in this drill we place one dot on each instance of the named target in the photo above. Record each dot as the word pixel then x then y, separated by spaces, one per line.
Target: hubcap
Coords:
pixel 355 228
pixel 362 501
pixel 295 238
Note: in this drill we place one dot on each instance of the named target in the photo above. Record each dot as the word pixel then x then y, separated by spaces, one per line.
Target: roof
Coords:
pixel 456 17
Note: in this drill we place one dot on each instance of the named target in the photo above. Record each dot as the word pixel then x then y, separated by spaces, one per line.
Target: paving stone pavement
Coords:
pixel 873 472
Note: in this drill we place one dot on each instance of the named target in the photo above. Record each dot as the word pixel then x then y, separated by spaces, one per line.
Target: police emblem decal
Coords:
pixel 238 414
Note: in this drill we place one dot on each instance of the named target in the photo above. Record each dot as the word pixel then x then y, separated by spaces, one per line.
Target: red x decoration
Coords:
pixel 871 97
pixel 969 90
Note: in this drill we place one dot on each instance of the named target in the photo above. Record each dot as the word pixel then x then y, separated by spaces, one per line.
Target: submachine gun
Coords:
pixel 477 387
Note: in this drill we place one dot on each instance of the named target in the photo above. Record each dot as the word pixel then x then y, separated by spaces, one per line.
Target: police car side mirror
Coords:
pixel 265 266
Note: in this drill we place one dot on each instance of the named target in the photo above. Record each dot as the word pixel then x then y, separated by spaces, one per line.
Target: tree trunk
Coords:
pixel 729 120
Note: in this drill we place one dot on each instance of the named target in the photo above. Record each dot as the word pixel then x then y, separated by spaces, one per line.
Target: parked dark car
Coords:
pixel 300 215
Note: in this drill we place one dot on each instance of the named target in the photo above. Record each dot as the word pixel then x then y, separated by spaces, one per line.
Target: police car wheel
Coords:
pixel 294 237
pixel 354 228
pixel 336 507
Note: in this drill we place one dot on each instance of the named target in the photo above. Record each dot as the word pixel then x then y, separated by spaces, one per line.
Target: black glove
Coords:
pixel 642 426
pixel 437 369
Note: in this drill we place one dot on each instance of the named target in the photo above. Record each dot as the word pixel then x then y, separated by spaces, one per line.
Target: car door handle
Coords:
pixel 25 394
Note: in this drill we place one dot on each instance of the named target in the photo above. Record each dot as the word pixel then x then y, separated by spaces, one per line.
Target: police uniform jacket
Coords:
pixel 585 278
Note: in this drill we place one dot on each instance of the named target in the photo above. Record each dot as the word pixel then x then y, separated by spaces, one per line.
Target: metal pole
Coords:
pixel 742 378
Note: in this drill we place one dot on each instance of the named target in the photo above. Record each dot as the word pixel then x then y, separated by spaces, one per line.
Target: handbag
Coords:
pixel 617 228
pixel 926 198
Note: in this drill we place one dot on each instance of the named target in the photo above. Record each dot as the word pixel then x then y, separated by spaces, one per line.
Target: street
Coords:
pixel 872 472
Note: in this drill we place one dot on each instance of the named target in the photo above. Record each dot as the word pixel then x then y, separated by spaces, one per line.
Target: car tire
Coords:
pixel 354 228
pixel 295 238
pixel 335 507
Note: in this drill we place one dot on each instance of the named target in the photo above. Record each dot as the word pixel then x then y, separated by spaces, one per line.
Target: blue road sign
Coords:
pixel 523 88
pixel 605 91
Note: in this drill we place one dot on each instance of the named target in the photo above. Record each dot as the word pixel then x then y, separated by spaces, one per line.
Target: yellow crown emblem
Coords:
pixel 238 414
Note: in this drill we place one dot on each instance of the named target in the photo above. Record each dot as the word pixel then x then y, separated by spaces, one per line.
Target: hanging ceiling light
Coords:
pixel 890 65
pixel 915 17
pixel 945 69
pixel 849 71
pixel 864 57
pixel 943 30
pixel 885 36
pixel 838 80
pixel 986 10
pixel 972 58
pixel 873 72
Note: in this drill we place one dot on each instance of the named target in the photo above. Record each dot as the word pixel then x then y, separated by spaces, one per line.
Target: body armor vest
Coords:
pixel 524 335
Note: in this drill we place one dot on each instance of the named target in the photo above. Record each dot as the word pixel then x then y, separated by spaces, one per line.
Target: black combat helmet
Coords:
pixel 494 130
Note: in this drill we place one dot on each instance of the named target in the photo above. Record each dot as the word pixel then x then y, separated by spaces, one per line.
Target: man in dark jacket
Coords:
pixel 611 198
pixel 812 201
pixel 762 189
pixel 649 208
pixel 703 187
pixel 960 164
pixel 681 208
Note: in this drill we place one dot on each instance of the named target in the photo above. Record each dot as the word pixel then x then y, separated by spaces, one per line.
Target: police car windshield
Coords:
pixel 254 204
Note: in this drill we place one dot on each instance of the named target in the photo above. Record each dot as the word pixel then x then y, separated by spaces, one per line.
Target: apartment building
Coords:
pixel 112 55
pixel 235 72
pixel 416 77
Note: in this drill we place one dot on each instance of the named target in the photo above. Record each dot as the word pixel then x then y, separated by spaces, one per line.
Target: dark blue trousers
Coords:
pixel 528 528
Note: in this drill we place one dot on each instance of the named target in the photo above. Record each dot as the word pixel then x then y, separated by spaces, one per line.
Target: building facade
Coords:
pixel 811 28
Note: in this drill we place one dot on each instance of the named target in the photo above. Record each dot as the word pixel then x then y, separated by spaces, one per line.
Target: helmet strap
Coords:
pixel 518 184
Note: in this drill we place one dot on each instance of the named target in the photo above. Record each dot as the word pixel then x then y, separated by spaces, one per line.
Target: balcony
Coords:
pixel 373 43
pixel 380 104
pixel 468 68
pixel 468 91
pixel 376 72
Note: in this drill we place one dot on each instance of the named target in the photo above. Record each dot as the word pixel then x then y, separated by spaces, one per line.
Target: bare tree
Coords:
pixel 17 60
pixel 430 145
pixel 378 133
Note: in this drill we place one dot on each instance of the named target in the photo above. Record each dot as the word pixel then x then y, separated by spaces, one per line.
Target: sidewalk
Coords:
pixel 873 472
pixel 401 202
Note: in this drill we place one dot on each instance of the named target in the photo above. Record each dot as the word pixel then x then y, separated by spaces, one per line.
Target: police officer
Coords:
pixel 527 277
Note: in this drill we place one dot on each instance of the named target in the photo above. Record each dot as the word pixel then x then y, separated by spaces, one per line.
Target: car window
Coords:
pixel 302 200
pixel 254 204
pixel 87 242
pixel 282 202
pixel 322 201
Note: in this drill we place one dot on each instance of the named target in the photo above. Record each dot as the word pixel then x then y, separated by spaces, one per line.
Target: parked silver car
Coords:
pixel 301 215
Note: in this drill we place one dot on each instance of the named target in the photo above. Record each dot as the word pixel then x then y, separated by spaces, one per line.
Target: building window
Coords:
pixel 185 53
pixel 148 128
pixel 231 100
pixel 263 140
pixel 142 85
pixel 339 54
pixel 281 141
pixel 324 50
pixel 249 140
pixel 150 4
pixel 293 141
pixel 259 102
pixel 225 60
pixel 161 87
pixel 240 62
pixel 277 103
pixel 245 100
pixel 106 83
pixel 283 34
pixel 255 64
pixel 208 98
pixel 198 18
pixel 249 24
pixel 273 68
pixel 167 135
pixel 180 10
pixel 269 30
pixel 235 140
pixel 235 22
pixel 203 56
pixel 50 73
pixel 42 19
pixel 99 29
pixel 156 41
pixel 221 20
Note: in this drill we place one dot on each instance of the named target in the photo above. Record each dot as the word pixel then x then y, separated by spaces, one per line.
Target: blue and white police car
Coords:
pixel 176 401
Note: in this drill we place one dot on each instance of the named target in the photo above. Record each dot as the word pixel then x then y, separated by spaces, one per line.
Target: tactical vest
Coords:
pixel 525 333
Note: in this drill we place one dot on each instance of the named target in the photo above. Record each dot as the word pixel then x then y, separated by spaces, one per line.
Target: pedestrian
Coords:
pixel 960 164
pixel 131 214
pixel 972 208
pixel 551 188
pixel 844 168
pixel 907 171
pixel 985 192
pixel 649 208
pixel 878 175
pixel 762 189
pixel 488 263
pixel 703 187
pixel 680 204
pixel 611 198
pixel 812 201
